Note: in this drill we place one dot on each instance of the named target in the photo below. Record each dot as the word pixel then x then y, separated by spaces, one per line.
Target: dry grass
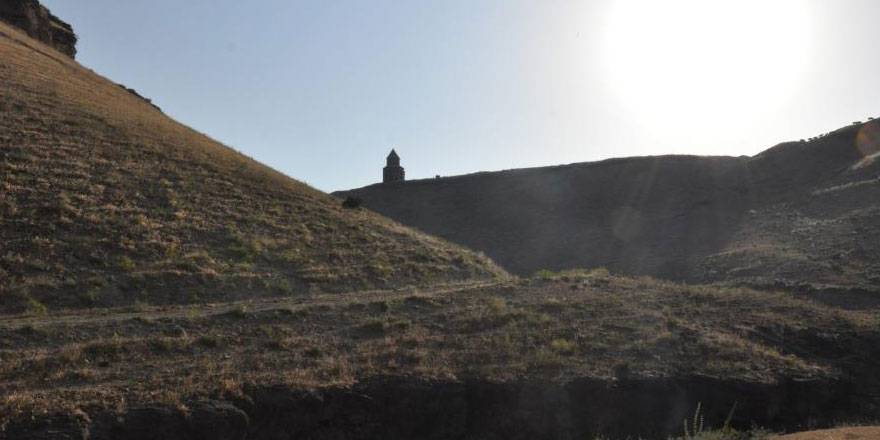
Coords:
pixel 104 200
pixel 591 326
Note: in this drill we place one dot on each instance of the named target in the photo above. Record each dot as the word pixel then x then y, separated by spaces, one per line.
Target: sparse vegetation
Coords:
pixel 352 203
pixel 237 312
pixel 99 189
pixel 36 307
pixel 125 264
pixel 640 327
pixel 178 270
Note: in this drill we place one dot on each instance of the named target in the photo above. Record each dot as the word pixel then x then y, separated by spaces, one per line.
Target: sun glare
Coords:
pixel 680 62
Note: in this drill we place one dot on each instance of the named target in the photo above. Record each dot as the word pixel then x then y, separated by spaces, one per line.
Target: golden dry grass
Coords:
pixel 104 200
pixel 591 325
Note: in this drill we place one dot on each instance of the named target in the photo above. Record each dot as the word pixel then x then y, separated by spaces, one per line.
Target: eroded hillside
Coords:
pixel 797 214
pixel 104 200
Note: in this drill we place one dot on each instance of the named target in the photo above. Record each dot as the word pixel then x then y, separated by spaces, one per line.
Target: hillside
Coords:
pixel 797 214
pixel 104 200
pixel 155 284
pixel 574 355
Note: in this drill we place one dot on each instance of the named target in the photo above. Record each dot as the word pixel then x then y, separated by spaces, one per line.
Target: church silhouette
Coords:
pixel 392 172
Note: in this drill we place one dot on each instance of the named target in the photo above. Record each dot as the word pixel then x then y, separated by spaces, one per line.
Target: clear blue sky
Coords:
pixel 321 90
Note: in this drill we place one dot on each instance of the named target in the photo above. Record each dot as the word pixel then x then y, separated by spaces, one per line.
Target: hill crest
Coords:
pixel 689 218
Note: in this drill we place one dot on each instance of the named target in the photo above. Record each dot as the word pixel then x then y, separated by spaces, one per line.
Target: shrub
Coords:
pixel 126 264
pixel 244 248
pixel 7 207
pixel 497 304
pixel 545 274
pixel 352 203
pixel 563 346
pixel 89 297
pixel 210 341
pixel 239 312
pixel 105 349
pixel 36 307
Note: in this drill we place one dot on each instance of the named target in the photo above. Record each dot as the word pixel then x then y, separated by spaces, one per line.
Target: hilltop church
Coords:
pixel 392 172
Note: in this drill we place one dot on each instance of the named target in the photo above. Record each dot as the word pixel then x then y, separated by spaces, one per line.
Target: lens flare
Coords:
pixel 868 140
pixel 705 65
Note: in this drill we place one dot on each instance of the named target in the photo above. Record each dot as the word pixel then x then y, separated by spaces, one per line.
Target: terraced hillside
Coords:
pixel 104 200
pixel 796 215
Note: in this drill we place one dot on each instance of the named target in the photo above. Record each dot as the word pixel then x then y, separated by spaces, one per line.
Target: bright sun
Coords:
pixel 679 62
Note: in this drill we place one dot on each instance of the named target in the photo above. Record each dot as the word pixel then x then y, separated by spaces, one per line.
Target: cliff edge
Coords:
pixel 40 24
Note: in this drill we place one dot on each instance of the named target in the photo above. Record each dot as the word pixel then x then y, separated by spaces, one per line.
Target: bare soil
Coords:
pixel 854 433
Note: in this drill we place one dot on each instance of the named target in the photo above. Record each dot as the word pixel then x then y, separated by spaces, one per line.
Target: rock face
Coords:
pixel 397 408
pixel 39 23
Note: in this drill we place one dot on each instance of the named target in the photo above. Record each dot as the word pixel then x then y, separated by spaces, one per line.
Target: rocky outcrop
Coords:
pixel 400 408
pixel 39 23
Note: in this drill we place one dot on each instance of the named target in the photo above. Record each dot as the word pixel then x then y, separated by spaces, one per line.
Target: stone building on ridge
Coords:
pixel 392 172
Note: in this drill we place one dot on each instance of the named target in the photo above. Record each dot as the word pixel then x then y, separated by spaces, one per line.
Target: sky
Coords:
pixel 322 90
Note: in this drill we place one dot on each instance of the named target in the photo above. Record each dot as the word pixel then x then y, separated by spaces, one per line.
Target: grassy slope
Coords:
pixel 791 214
pixel 568 326
pixel 105 200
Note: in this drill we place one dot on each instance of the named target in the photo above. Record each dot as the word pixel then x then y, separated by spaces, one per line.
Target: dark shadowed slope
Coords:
pixel 105 200
pixel 679 217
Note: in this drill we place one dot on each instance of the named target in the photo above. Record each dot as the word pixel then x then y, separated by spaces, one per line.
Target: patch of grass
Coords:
pixel 238 312
pixel 563 346
pixel 164 345
pixel 110 349
pixel 544 274
pixel 89 297
pixel 126 264
pixel 313 352
pixel 210 341
pixel 572 274
pixel 275 337
pixel 496 304
pixel 36 307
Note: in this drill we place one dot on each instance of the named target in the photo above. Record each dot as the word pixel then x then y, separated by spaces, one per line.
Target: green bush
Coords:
pixel 36 307
pixel 126 264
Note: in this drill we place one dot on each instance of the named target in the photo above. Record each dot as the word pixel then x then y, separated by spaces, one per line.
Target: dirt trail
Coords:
pixel 860 433
pixel 86 316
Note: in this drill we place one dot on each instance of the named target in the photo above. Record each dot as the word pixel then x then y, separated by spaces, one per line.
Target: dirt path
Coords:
pixel 86 316
pixel 860 433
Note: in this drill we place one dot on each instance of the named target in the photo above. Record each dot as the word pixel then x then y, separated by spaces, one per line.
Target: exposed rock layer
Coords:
pixel 39 23
pixel 398 408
